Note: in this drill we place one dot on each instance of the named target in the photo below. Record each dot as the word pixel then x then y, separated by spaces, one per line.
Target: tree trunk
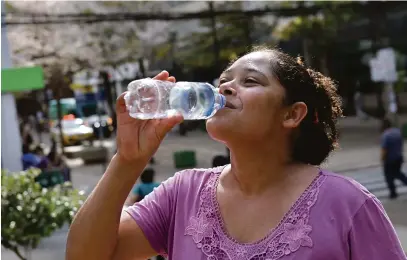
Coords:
pixel 306 50
pixel 216 46
pixel 57 83
pixel 323 62
pixel 380 112
pixel 108 95
pixel 247 31
pixel 59 121
pixel 376 14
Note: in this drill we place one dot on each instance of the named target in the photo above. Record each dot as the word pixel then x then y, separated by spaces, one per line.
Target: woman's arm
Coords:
pixel 131 199
pixel 96 232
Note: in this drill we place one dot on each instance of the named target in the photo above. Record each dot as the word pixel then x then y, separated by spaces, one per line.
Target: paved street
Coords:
pixel 373 180
pixel 357 158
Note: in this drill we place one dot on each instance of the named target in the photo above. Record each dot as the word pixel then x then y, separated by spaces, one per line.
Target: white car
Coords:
pixel 74 132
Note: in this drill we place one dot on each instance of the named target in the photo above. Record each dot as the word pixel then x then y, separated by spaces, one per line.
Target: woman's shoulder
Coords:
pixel 344 189
pixel 197 176
pixel 189 183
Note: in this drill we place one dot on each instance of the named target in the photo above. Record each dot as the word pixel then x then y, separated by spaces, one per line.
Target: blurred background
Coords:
pixel 65 62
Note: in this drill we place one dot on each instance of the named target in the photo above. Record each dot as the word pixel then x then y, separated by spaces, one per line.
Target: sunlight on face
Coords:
pixel 254 100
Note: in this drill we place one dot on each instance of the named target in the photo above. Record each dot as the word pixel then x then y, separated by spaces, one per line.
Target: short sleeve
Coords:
pixel 154 213
pixel 372 236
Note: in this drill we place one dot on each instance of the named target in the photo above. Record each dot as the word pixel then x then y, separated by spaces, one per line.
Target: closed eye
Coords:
pixel 250 81
pixel 221 81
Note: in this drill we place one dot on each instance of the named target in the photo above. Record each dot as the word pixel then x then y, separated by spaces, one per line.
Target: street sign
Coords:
pixel 22 79
pixel 383 66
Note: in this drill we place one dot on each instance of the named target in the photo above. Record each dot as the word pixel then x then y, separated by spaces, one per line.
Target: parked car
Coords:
pixel 74 131
pixel 100 124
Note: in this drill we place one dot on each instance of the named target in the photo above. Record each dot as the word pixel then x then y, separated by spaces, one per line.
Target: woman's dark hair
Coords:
pixel 317 135
pixel 147 176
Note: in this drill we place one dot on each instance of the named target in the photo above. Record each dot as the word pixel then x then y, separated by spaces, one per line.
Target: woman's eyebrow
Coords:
pixel 251 69
pixel 247 69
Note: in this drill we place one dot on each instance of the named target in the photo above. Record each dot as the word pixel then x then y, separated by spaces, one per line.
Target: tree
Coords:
pixel 76 47
pixel 220 39
pixel 82 46
pixel 317 32
pixel 30 212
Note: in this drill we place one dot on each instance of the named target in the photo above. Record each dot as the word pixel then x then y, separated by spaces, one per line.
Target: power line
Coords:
pixel 13 19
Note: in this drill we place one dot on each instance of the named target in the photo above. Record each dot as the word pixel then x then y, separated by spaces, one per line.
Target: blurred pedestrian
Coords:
pixel 34 158
pixel 392 156
pixel 143 188
pixel 39 117
pixel 220 160
pixel 29 159
pixel 26 135
pixel 43 160
pixel 57 160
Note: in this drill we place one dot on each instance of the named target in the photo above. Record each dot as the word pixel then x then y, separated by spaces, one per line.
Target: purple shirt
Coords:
pixel 335 218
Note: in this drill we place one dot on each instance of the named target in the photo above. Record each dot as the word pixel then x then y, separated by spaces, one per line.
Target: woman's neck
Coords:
pixel 256 168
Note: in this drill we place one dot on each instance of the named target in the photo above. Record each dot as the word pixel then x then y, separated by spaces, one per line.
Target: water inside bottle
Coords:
pixel 150 98
pixel 146 100
pixel 193 100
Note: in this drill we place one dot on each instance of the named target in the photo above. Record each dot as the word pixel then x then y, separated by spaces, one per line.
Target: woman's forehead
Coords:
pixel 253 61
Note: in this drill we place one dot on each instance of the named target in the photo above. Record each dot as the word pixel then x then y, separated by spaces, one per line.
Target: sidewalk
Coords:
pixel 344 160
pixel 397 212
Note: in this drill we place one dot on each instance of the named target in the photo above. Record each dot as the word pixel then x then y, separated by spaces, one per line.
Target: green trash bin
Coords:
pixel 50 178
pixel 184 159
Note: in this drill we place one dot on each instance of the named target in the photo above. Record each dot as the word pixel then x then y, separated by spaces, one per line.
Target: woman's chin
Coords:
pixel 218 128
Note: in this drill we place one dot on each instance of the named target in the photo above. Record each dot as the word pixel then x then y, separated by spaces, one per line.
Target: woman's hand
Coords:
pixel 138 140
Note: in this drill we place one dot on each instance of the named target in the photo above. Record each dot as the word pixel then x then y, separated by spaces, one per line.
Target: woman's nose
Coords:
pixel 227 89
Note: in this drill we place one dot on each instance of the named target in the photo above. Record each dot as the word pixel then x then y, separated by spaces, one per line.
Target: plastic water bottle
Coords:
pixel 150 98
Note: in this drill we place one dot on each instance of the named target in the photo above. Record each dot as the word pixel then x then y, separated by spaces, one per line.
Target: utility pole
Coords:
pixel 247 30
pixel 173 42
pixel 108 94
pixel 216 45
pixel 57 83
pixel 376 15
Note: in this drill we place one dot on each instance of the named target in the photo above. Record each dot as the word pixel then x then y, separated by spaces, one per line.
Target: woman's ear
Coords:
pixel 295 114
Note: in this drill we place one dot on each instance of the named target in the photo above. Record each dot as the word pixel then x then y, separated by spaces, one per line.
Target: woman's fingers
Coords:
pixel 163 126
pixel 120 103
pixel 172 79
pixel 163 75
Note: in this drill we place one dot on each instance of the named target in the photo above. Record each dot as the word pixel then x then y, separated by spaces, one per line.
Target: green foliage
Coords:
pixel 87 11
pixel 318 32
pixel 9 7
pixel 30 212
pixel 400 85
pixel 234 34
pixel 113 3
pixel 321 28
